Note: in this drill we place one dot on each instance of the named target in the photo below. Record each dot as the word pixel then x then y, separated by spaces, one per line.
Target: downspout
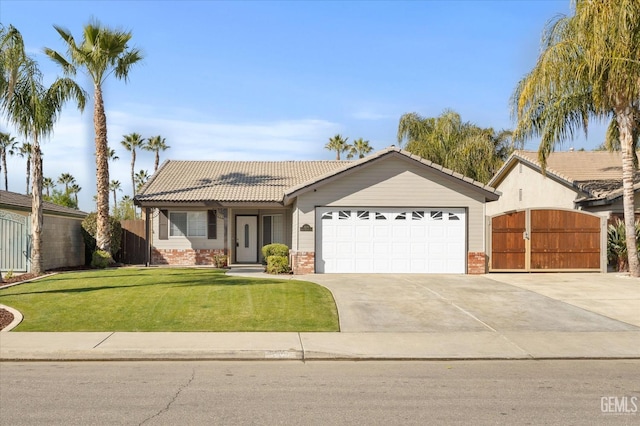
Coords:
pixel 147 235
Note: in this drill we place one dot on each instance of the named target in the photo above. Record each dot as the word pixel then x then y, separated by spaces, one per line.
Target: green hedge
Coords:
pixel 278 265
pixel 275 249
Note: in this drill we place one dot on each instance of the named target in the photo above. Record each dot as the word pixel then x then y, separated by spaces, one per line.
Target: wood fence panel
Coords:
pixel 133 250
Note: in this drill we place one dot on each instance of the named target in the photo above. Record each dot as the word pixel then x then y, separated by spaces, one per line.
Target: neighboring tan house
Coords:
pixel 582 180
pixel 388 212
pixel 62 242
pixel 556 219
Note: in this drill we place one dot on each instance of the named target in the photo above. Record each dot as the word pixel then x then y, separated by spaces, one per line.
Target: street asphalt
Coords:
pixel 493 316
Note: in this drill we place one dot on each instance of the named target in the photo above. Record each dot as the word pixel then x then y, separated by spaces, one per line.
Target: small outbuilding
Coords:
pixel 62 241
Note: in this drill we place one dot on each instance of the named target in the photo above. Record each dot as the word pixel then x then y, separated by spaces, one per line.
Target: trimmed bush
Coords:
pixel 101 259
pixel 220 261
pixel 278 265
pixel 275 249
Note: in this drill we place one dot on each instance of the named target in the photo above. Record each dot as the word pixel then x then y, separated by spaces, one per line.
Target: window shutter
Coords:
pixel 212 225
pixel 163 221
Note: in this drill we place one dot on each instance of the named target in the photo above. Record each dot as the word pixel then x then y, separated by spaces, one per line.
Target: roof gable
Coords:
pixel 596 174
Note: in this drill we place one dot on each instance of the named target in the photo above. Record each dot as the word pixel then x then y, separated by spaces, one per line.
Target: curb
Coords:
pixel 17 318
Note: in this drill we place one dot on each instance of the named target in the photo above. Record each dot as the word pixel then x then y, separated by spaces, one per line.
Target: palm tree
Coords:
pixel 588 68
pixel 102 52
pixel 111 154
pixel 34 109
pixel 24 151
pixel 131 142
pixel 141 178
pixel 48 184
pixel 338 144
pixel 66 179
pixel 7 146
pixel 74 189
pixel 156 144
pixel 360 148
pixel 461 146
pixel 115 186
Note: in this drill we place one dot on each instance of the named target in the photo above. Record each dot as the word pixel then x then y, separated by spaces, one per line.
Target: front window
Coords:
pixel 272 229
pixel 190 224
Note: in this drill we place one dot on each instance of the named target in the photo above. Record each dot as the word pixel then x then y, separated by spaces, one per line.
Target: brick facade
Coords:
pixel 184 257
pixel 302 262
pixel 476 263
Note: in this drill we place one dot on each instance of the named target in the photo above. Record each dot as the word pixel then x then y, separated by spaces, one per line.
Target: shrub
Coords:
pixel 275 249
pixel 220 260
pixel 90 228
pixel 278 265
pixel 101 259
pixel 617 244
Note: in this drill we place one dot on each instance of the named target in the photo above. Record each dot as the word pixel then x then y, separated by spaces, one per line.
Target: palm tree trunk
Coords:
pixel 28 170
pixel 625 126
pixel 155 169
pixel 337 155
pixel 36 209
pixel 114 200
pixel 103 232
pixel 4 167
pixel 133 166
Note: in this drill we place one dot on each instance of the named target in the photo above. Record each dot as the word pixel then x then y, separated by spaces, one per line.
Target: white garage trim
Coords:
pixel 391 240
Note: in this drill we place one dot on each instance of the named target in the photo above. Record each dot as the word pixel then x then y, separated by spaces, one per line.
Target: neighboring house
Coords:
pixel 388 212
pixel 556 218
pixel 583 180
pixel 62 242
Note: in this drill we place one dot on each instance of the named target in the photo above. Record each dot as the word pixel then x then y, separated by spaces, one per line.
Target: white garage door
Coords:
pixel 417 240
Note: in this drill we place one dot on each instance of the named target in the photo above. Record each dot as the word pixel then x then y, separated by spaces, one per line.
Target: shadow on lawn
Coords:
pixel 214 280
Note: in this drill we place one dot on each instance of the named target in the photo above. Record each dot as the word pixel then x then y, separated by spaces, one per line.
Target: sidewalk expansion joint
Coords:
pixel 301 347
pixel 104 340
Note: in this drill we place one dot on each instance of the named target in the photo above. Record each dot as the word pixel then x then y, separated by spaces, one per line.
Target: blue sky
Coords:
pixel 243 80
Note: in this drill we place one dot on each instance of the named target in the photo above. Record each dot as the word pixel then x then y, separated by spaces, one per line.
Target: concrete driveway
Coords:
pixel 499 303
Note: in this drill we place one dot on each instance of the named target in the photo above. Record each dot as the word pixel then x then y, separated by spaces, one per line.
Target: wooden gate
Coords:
pixel 133 245
pixel 547 240
pixel 15 247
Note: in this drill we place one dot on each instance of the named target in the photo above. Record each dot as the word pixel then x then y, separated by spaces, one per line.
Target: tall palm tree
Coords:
pixel 7 146
pixel 101 53
pixel 156 144
pixel 66 179
pixel 131 142
pixel 34 109
pixel 111 154
pixel 588 68
pixel 24 151
pixel 74 189
pixel 338 144
pixel 360 147
pixel 141 178
pixel 48 184
pixel 115 186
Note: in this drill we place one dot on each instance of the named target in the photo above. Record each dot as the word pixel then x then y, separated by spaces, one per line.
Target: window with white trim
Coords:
pixel 189 224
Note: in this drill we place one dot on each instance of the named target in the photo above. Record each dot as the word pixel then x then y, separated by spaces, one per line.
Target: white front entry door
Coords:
pixel 247 239
pixel 401 240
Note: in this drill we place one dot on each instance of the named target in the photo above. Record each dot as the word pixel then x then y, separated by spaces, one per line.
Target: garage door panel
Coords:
pixel 392 240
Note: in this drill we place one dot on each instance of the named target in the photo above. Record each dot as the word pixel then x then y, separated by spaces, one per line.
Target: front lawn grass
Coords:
pixel 159 299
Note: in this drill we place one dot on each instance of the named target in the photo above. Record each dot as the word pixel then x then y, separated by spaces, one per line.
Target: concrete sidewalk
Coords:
pixel 318 346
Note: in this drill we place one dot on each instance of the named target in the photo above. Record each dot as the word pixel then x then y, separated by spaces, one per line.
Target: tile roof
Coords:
pixel 257 181
pixel 230 181
pixel 598 174
pixel 23 202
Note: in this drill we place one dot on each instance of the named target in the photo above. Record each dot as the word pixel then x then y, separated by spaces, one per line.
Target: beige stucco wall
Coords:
pixel 62 242
pixel 391 182
pixel 537 191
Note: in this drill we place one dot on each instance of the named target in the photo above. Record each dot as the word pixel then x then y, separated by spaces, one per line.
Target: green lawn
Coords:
pixel 159 299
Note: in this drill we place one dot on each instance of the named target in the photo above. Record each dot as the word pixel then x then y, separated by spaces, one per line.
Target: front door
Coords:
pixel 247 239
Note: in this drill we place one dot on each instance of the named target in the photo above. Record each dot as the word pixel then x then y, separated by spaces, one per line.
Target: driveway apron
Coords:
pixel 452 303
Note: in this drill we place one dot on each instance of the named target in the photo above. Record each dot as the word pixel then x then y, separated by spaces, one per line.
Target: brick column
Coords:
pixel 302 262
pixel 476 263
